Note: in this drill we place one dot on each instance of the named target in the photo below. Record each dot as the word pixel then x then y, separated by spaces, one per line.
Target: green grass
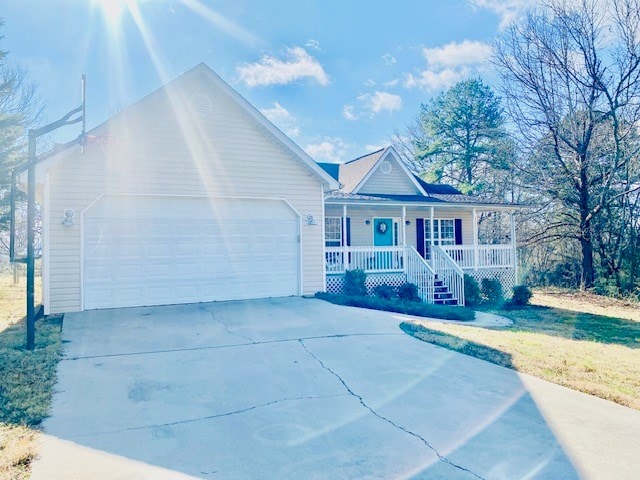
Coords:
pixel 418 309
pixel 27 377
pixel 594 354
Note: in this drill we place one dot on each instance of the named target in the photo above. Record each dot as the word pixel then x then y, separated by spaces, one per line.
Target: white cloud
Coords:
pixel 282 118
pixel 388 59
pixel 384 101
pixel 457 54
pixel 449 64
pixel 370 104
pixel 329 149
pixel 273 71
pixel 313 44
pixel 369 83
pixel 348 112
pixel 374 147
pixel 391 83
pixel 508 10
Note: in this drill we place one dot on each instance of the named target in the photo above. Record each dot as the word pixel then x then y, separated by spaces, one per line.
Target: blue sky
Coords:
pixel 337 76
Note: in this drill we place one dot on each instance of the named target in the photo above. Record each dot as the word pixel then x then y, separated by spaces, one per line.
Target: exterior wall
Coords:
pixel 362 234
pixel 187 139
pixel 393 183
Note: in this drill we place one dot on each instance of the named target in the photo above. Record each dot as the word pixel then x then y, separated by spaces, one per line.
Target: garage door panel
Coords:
pixel 222 249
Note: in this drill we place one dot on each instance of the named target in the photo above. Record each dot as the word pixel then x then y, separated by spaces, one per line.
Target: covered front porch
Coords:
pixel 432 246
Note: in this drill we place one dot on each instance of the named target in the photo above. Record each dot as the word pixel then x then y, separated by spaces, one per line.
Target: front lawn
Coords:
pixel 595 354
pixel 26 380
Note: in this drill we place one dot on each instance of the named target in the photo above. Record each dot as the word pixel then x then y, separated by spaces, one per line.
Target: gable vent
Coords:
pixel 385 167
pixel 200 103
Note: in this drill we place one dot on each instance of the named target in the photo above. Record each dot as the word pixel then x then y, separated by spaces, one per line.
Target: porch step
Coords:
pixel 448 301
pixel 443 295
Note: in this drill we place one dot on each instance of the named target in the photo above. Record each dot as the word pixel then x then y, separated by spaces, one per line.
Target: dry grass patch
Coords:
pixel 17 451
pixel 26 379
pixel 594 354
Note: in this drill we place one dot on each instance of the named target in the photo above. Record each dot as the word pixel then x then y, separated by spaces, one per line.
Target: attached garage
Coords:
pixel 189 195
pixel 154 250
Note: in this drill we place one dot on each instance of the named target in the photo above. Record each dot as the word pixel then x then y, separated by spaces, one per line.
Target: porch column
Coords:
pixel 431 212
pixel 475 239
pixel 513 246
pixel 345 257
pixel 404 226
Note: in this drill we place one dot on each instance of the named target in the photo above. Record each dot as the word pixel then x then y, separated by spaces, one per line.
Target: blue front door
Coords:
pixel 383 232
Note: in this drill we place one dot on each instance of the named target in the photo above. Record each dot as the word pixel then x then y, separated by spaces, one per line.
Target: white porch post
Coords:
pixel 431 212
pixel 345 257
pixel 475 239
pixel 404 226
pixel 514 246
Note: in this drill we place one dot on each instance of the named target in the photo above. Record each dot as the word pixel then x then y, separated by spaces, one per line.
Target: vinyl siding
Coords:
pixel 161 146
pixel 395 182
pixel 362 234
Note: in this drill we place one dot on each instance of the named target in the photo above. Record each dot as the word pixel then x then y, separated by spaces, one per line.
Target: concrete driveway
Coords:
pixel 299 388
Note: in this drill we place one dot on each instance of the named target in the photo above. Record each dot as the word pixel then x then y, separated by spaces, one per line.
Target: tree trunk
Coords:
pixel 586 240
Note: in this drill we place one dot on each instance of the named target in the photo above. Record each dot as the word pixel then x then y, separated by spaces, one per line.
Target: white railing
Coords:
pixel 420 273
pixel 449 272
pixel 489 256
pixel 370 259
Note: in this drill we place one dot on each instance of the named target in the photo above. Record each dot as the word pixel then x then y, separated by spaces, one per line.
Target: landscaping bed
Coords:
pixel 418 309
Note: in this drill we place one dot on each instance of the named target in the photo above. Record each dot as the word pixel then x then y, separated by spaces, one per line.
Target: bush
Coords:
pixel 409 292
pixel 385 292
pixel 521 295
pixel 354 282
pixel 472 295
pixel 492 290
pixel 418 309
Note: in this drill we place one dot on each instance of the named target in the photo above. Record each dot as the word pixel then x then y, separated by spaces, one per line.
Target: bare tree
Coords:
pixel 571 80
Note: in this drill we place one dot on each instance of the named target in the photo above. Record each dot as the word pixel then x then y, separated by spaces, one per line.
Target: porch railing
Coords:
pixel 489 256
pixel 420 273
pixel 370 259
pixel 449 272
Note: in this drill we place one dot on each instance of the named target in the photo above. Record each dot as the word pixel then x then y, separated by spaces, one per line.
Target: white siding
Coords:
pixel 161 146
pixel 394 182
pixel 362 234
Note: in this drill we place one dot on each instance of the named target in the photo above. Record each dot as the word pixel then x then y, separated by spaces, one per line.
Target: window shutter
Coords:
pixel 420 236
pixel 458 230
pixel 348 231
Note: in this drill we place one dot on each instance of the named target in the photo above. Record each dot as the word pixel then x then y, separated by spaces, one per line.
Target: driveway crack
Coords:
pixel 226 326
pixel 209 417
pixel 442 458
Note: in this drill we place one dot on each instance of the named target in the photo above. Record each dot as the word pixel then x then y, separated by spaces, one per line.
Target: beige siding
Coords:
pixel 161 146
pixel 394 182
pixel 362 234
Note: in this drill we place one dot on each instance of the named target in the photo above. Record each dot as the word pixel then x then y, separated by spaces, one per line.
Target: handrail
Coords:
pixel 420 273
pixel 371 259
pixel 488 256
pixel 452 274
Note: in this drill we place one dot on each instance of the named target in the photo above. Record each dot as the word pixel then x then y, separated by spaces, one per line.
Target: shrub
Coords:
pixel 354 282
pixel 385 292
pixel 409 292
pixel 521 295
pixel 472 295
pixel 492 290
pixel 408 308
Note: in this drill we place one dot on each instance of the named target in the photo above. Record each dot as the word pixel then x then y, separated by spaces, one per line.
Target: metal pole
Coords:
pixel 31 220
pixel 12 228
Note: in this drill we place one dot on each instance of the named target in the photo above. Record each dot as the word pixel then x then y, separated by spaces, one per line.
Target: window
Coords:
pixel 333 231
pixel 444 233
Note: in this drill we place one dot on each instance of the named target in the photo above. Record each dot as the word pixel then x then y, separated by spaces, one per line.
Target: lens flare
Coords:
pixel 112 10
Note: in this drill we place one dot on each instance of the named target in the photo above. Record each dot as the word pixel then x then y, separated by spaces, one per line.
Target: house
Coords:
pixel 192 195
pixel 398 228
pixel 188 195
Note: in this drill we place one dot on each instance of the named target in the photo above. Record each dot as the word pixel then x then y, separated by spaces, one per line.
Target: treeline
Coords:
pixel 561 136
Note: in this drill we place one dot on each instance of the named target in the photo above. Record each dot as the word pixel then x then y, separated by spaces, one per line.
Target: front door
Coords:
pixel 383 232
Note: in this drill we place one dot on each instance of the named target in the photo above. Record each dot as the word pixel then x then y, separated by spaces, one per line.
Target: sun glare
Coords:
pixel 112 10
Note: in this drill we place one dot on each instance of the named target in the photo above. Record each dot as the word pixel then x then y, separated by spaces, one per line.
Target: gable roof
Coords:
pixel 269 128
pixel 355 173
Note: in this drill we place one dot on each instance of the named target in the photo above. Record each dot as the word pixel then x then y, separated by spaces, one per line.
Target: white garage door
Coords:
pixel 165 250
